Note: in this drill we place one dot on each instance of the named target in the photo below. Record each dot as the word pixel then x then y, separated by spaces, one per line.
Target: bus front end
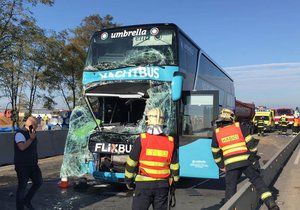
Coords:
pixel 128 71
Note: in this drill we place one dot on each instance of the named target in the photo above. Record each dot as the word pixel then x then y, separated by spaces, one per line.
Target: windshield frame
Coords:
pixel 148 27
pixel 284 111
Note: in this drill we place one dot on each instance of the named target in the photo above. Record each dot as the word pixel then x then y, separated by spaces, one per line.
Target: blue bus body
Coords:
pixel 111 87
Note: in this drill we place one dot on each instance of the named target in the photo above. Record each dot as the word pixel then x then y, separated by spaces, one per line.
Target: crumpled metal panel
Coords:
pixel 82 125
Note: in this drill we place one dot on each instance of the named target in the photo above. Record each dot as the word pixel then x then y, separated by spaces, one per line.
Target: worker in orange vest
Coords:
pixel 152 165
pixel 235 152
pixel 296 125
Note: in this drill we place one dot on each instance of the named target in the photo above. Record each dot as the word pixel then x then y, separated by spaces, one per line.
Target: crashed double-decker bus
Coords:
pixel 130 70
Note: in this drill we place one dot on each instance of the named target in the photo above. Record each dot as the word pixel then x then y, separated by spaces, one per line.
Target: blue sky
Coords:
pixel 233 32
pixel 255 34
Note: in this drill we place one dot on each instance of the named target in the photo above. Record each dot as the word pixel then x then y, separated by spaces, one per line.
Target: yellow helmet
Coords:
pixel 226 115
pixel 155 117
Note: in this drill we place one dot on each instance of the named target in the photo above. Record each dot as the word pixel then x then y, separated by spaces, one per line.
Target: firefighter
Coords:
pixel 296 125
pixel 235 152
pixel 283 123
pixel 152 165
pixel 260 126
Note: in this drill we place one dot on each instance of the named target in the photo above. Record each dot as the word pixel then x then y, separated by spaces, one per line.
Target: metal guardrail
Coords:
pixel 246 198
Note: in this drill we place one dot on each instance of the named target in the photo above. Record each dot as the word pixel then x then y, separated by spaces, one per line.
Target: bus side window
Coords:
pixel 197 115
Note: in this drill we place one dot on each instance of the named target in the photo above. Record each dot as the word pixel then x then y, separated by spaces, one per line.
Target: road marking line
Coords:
pixel 297 158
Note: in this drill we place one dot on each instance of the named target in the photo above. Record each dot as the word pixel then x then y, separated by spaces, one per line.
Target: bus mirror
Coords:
pixel 177 83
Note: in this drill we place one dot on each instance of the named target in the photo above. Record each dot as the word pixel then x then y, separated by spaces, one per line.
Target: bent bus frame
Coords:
pixel 134 68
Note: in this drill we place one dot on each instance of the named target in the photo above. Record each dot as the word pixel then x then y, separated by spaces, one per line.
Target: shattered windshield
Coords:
pixel 120 48
pixel 127 115
pixel 120 125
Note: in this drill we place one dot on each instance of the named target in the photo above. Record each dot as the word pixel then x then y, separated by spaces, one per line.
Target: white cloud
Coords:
pixel 275 84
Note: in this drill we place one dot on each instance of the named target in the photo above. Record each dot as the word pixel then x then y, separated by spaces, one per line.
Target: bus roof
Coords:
pixel 179 29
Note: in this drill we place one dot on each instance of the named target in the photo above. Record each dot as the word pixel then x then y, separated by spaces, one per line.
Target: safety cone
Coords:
pixel 63 183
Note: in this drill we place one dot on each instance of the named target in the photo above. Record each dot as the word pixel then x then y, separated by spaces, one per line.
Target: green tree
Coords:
pixel 36 62
pixel 15 21
pixel 68 54
pixel 48 102
pixel 12 13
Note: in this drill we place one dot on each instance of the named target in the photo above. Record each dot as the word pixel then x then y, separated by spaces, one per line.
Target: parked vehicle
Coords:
pixel 288 112
pixel 268 119
pixel 244 113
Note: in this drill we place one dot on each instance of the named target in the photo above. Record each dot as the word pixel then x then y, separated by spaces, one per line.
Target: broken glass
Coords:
pixel 160 97
pixel 137 57
pixel 77 155
pixel 128 51
pixel 76 152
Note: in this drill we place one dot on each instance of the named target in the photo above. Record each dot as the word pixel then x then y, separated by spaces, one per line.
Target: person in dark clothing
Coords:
pixel 152 165
pixel 235 153
pixel 26 163
pixel 260 123
pixel 283 123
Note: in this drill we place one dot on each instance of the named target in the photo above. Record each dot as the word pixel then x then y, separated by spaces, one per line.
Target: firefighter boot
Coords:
pixel 270 203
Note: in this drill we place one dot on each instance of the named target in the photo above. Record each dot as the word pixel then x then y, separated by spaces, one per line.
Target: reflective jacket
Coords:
pixel 156 154
pixel 230 148
pixel 153 159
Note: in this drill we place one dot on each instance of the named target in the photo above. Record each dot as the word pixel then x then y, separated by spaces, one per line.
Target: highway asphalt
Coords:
pixel 191 193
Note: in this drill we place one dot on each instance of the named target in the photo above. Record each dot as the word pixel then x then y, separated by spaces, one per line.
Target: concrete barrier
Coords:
pixel 6 148
pixel 45 146
pixel 50 143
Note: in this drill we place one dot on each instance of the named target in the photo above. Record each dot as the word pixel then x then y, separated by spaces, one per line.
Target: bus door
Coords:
pixel 198 110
